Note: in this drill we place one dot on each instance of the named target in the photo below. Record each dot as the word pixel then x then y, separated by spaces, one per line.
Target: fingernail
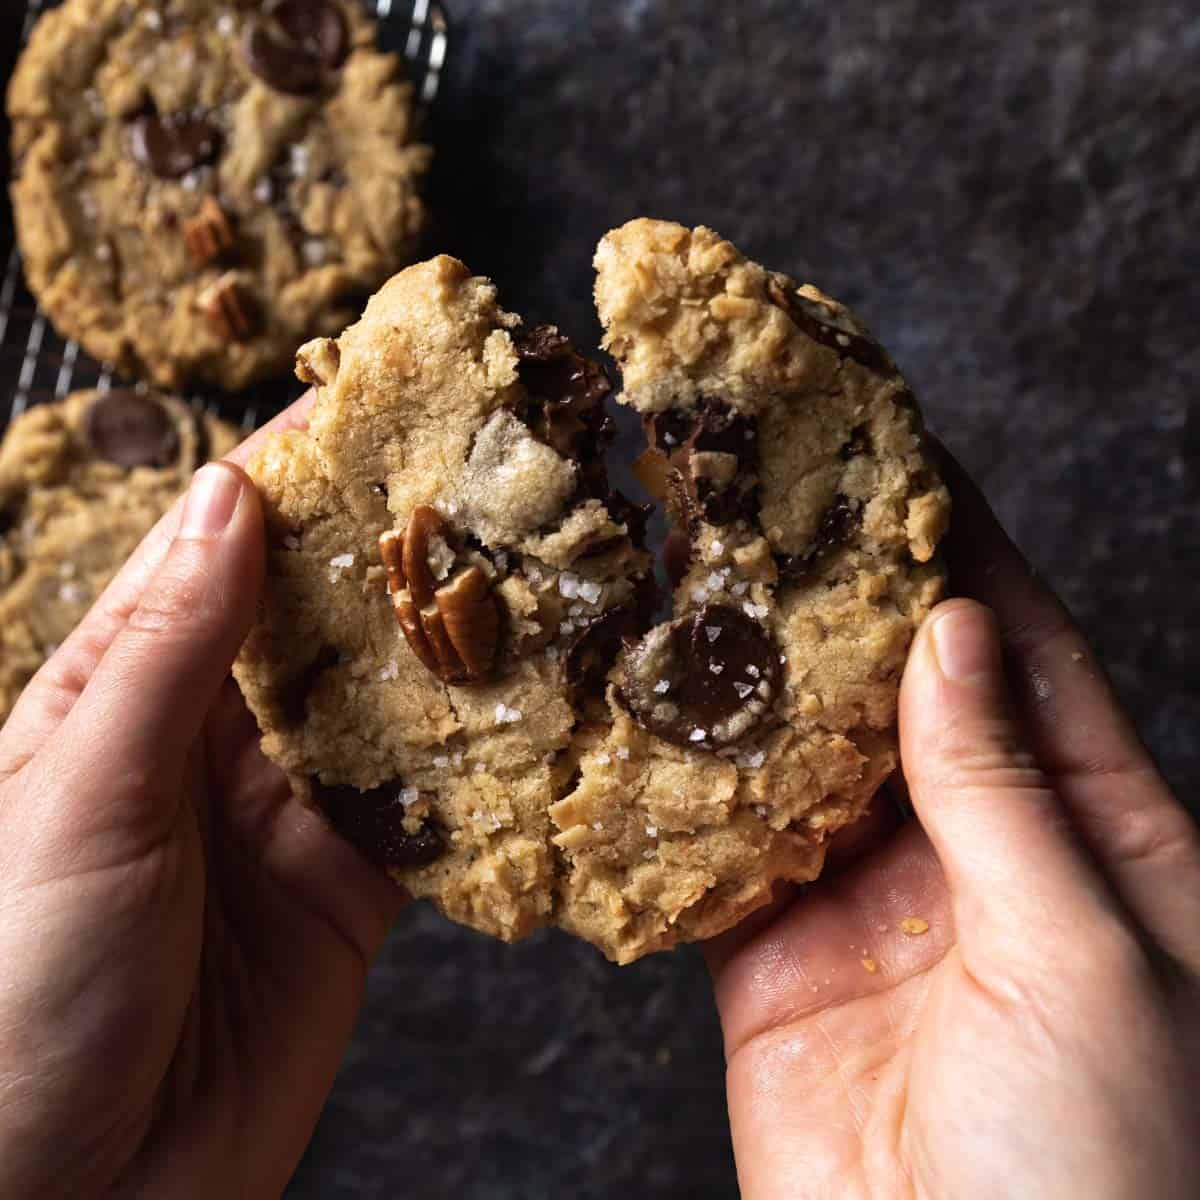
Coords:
pixel 964 643
pixel 210 501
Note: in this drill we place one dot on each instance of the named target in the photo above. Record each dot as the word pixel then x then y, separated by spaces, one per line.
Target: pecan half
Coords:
pixel 230 309
pixel 209 233
pixel 453 627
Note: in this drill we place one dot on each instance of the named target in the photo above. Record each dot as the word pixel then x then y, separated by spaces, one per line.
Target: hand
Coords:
pixel 184 945
pixel 1042 1038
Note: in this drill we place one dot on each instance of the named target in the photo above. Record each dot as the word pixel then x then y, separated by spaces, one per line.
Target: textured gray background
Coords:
pixel 1008 193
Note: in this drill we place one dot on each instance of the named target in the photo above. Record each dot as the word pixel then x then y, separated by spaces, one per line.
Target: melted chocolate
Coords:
pixel 174 144
pixel 372 822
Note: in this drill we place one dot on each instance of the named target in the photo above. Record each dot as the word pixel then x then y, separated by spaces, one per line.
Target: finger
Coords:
pixel 1142 837
pixel 146 702
pixel 294 844
pixel 1010 856
pixel 50 695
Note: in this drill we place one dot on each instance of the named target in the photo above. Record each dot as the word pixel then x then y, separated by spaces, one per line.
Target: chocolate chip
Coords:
pixel 317 26
pixel 566 393
pixel 281 65
pixel 595 648
pixel 131 430
pixel 174 144
pixel 832 327
pixel 838 522
pixel 705 679
pixel 859 443
pixel 295 43
pixel 697 445
pixel 373 823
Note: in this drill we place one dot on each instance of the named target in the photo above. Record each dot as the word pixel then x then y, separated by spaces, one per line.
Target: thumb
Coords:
pixel 146 701
pixel 1000 832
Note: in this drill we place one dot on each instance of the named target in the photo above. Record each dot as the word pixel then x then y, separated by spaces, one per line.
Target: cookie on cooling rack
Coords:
pixel 459 658
pixel 203 184
pixel 82 480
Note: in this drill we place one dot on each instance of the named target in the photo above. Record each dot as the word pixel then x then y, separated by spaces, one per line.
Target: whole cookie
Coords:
pixel 458 656
pixel 201 185
pixel 82 480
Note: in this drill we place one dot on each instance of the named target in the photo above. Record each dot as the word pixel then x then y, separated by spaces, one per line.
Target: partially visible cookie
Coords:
pixel 204 184
pixel 458 657
pixel 82 480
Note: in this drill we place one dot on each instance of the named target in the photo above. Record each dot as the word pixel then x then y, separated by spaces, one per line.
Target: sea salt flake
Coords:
pixel 341 561
pixel 697 735
pixel 506 715
pixel 479 768
pixel 718 547
pixel 568 585
pixel 408 797
pixel 623 752
pixel 598 826
pixel 739 588
pixel 742 689
pixel 647 854
pixel 716 668
pixel 590 591
pixel 712 632
pixel 714 581
pixel 225 24
pixel 441 761
pixel 753 759
pixel 652 831
pixel 567 627
pixel 390 671
pixel 262 191
pixel 152 19
pixel 752 671
pixel 603 759
pixel 71 593
pixel 291 541
pixel 662 686
pixel 670 439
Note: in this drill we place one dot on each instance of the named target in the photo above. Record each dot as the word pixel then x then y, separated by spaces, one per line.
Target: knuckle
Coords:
pixel 1160 835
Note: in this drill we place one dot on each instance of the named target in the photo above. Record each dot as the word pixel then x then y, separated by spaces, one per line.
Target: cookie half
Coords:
pixel 82 481
pixel 201 186
pixel 462 658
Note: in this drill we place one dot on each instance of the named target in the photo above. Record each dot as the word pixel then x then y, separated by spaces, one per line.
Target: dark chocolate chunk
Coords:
pixel 859 443
pixel 131 430
pixel 318 27
pixel 282 65
pixel 595 648
pixel 373 823
pixel 566 394
pixel 837 524
pixel 705 679
pixel 724 436
pixel 174 144
pixel 832 327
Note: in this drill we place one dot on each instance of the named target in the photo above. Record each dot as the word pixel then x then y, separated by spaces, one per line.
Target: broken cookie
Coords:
pixel 458 656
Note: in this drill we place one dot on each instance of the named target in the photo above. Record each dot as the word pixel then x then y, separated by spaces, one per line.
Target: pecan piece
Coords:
pixel 229 308
pixel 209 233
pixel 452 627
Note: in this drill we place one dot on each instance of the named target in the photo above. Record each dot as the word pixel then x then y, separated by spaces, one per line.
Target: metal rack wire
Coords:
pixel 37 365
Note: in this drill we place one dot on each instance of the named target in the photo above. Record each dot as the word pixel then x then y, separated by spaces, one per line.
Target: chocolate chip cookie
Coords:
pixel 463 657
pixel 82 480
pixel 201 185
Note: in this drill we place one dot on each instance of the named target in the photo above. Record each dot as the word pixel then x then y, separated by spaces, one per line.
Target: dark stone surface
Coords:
pixel 1007 192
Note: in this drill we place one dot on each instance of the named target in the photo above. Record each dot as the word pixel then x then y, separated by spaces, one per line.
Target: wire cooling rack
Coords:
pixel 37 365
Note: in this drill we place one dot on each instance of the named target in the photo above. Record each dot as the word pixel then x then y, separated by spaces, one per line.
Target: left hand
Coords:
pixel 184 945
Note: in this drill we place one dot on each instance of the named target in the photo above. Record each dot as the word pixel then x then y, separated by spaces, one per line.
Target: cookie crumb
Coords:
pixel 914 926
